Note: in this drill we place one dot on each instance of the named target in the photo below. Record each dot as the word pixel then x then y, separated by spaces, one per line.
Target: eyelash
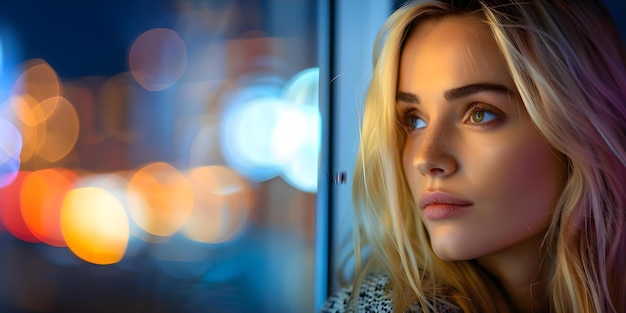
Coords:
pixel 483 107
pixel 407 117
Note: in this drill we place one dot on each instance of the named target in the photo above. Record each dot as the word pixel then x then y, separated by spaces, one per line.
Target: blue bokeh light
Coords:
pixel 303 88
pixel 301 171
pixel 246 128
pixel 265 133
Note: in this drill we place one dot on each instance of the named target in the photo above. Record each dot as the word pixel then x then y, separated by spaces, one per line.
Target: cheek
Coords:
pixel 519 182
pixel 407 166
pixel 514 185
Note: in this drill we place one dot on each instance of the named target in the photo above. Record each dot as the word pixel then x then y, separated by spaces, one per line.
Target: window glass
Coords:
pixel 158 156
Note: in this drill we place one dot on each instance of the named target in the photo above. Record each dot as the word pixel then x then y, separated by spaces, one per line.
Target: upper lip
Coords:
pixel 440 197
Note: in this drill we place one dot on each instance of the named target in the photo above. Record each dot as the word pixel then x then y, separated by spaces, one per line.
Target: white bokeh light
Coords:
pixel 300 163
pixel 289 133
pixel 246 128
pixel 301 170
pixel 303 88
pixel 264 134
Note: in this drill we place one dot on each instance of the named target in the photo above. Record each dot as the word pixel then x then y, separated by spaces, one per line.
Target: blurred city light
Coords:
pixel 41 200
pixel 271 135
pixel 247 137
pixel 95 225
pixel 158 58
pixel 303 88
pixel 62 130
pixel 40 81
pixel 11 210
pixel 196 158
pixel 10 149
pixel 161 199
pixel 221 207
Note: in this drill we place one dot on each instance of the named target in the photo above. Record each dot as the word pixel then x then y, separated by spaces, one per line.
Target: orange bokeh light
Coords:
pixel 222 203
pixel 160 199
pixel 39 80
pixel 30 111
pixel 95 225
pixel 62 131
pixel 29 120
pixel 41 198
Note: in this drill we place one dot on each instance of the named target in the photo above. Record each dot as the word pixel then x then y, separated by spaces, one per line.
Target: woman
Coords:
pixel 491 175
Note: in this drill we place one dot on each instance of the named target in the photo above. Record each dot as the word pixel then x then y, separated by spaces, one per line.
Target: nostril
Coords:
pixel 443 166
pixel 434 159
pixel 437 171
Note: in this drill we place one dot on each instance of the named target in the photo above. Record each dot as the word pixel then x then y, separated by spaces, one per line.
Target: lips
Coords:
pixel 439 205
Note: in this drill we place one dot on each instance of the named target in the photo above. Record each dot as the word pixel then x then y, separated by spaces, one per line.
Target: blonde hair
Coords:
pixel 568 63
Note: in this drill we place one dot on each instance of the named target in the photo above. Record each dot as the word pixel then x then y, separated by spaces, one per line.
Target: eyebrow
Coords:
pixel 458 92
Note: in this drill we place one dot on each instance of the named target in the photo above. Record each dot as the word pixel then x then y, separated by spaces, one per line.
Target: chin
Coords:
pixel 453 248
pixel 453 258
pixel 448 253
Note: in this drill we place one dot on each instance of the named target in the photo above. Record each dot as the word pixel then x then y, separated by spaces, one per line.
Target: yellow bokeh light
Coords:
pixel 160 199
pixel 222 203
pixel 95 225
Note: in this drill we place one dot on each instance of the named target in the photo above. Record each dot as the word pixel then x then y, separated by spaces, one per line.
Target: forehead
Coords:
pixel 449 52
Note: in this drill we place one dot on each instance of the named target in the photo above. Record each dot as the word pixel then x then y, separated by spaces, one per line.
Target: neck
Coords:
pixel 523 272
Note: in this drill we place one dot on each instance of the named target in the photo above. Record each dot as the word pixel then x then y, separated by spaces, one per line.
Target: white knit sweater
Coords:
pixel 374 297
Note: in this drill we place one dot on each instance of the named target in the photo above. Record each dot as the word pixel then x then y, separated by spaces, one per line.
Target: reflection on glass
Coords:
pixel 180 179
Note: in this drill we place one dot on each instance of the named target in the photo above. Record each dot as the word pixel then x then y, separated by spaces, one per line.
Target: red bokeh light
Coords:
pixel 10 210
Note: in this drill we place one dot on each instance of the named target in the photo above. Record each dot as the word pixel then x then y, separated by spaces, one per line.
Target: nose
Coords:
pixel 433 154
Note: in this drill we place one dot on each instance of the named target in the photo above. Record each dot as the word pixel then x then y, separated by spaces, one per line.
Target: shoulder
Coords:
pixel 373 296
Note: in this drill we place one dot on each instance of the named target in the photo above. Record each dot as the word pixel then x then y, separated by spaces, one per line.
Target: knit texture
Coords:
pixel 374 297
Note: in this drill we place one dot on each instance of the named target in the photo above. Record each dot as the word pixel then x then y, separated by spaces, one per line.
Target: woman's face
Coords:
pixel 483 178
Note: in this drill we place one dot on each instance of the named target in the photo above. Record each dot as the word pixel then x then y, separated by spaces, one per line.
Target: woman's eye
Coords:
pixel 414 122
pixel 479 116
pixel 410 120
